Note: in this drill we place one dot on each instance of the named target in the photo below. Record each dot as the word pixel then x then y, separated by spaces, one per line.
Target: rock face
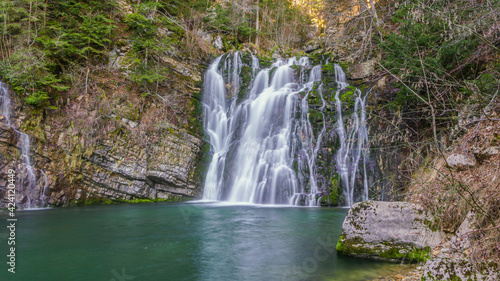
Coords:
pixel 114 171
pixel 160 171
pixel 107 144
pixel 451 260
pixel 387 230
pixel 456 269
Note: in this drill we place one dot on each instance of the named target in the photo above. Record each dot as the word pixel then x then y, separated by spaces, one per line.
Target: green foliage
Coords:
pixel 180 8
pixel 347 96
pixel 37 99
pixel 148 46
pixel 46 38
pixel 78 31
pixel 144 33
pixel 434 50
pixel 357 247
pixel 148 74
pixel 29 73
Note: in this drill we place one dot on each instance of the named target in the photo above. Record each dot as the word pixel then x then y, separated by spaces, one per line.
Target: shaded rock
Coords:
pixel 311 46
pixel 460 162
pixel 125 172
pixel 486 153
pixel 387 230
pixel 7 134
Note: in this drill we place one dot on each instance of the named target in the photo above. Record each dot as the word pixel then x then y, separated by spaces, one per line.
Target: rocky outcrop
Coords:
pixel 456 269
pixel 159 171
pixel 107 144
pixel 451 260
pixel 116 169
pixel 387 230
pixel 364 69
pixel 398 231
pixel 460 162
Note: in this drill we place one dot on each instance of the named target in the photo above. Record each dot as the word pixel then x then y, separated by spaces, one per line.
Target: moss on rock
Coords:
pixel 386 251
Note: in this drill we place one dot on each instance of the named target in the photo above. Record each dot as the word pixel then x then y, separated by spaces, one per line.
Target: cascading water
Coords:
pixel 264 147
pixel 354 144
pixel 255 64
pixel 5 101
pixel 254 142
pixel 309 146
pixel 30 181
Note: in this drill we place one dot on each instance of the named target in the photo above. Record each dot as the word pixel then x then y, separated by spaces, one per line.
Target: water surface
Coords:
pixel 189 241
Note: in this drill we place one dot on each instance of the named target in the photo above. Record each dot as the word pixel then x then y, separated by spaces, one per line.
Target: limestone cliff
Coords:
pixel 115 147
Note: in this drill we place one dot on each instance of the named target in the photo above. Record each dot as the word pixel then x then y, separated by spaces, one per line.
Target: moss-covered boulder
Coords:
pixel 391 231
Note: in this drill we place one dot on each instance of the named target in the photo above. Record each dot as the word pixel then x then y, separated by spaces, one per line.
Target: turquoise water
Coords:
pixel 189 241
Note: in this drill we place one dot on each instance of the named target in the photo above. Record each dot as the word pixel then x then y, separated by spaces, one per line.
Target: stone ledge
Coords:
pixel 391 231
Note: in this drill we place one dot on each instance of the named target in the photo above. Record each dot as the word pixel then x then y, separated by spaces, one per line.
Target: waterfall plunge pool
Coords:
pixel 188 241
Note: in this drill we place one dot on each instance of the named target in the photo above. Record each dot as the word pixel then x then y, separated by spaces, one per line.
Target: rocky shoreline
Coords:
pixel 401 232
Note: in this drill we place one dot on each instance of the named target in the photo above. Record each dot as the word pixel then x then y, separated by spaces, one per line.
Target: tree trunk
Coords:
pixel 257 25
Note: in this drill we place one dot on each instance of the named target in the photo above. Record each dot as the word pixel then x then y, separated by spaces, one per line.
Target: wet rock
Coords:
pixel 387 230
pixel 460 162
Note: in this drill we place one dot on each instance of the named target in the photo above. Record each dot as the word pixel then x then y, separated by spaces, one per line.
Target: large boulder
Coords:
pixel 388 230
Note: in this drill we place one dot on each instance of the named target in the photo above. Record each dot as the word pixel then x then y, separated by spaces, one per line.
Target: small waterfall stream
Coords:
pixel 354 144
pixel 36 198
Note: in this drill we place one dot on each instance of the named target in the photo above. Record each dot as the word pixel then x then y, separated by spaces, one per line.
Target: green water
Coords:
pixel 182 242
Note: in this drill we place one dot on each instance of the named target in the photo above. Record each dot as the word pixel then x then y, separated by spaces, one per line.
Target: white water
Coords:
pixel 354 144
pixel 254 143
pixel 5 101
pixel 28 183
pixel 255 64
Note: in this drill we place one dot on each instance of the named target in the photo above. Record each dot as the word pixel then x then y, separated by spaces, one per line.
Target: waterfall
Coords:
pixel 255 64
pixel 253 143
pixel 354 144
pixel 42 194
pixel 29 183
pixel 5 101
pixel 264 148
